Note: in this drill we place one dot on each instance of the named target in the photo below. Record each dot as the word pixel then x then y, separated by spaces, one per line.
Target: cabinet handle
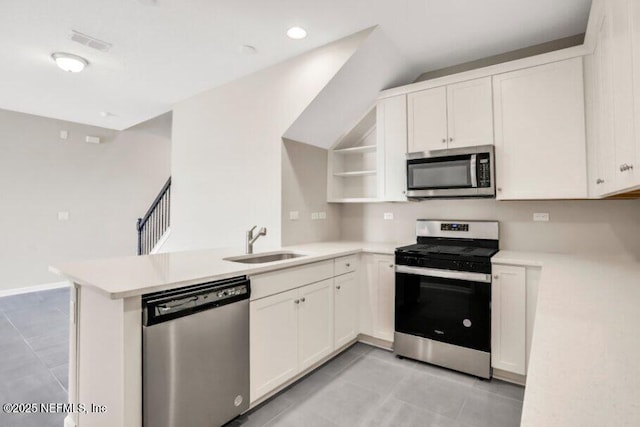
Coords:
pixel 625 167
pixel 348 265
pixel 390 265
pixel 450 139
pixel 444 140
pixel 599 181
pixel 296 301
pixel 338 287
pixel 302 299
pixel 496 277
pixel 499 190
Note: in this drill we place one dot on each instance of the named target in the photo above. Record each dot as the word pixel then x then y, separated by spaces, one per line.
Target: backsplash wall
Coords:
pixel 585 226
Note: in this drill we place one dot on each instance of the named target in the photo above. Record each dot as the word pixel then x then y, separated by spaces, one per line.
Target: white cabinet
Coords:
pixel 378 297
pixel 367 164
pixel 391 125
pixel 289 332
pixel 427 120
pixel 514 296
pixel 273 341
pixel 346 309
pixel 315 323
pixel 614 123
pixel 540 132
pixel 470 113
pixel 457 115
pixel 508 319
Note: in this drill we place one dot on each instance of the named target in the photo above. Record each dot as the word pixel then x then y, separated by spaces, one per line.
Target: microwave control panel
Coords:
pixel 484 170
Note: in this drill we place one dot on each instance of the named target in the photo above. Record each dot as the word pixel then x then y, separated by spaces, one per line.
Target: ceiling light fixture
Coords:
pixel 69 62
pixel 296 33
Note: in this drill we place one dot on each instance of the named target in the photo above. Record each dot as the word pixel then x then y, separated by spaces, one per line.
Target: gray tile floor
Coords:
pixel 366 386
pixel 34 354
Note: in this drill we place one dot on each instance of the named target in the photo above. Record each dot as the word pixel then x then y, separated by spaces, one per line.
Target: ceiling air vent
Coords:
pixel 89 41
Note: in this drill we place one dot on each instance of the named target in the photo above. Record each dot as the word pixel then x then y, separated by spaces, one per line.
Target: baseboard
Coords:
pixel 510 377
pixel 37 288
pixel 376 342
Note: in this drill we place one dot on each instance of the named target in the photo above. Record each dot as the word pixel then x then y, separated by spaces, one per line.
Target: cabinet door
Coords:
pixel 470 113
pixel 635 45
pixel 391 127
pixel 603 132
pixel 316 322
pixel 273 341
pixel 346 308
pixel 620 14
pixel 427 119
pixel 385 280
pixel 540 132
pixel 508 319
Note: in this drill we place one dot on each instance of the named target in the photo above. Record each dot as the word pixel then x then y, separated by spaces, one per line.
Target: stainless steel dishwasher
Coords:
pixel 195 344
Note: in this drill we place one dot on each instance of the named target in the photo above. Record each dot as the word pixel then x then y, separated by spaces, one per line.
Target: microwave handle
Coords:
pixel 473 170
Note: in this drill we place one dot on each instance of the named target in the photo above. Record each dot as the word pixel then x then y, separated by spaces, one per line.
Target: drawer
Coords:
pixel 346 264
pixel 263 285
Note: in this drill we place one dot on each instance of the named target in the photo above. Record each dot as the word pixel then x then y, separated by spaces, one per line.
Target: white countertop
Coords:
pixel 584 366
pixel 136 275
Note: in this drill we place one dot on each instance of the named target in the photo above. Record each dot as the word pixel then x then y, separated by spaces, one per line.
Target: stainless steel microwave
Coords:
pixel 460 172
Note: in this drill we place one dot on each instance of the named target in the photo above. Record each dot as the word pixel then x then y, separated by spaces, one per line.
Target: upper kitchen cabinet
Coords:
pixel 452 116
pixel 612 81
pixel 367 164
pixel 540 132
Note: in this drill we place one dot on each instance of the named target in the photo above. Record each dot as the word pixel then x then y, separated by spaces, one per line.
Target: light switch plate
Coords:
pixel 63 216
pixel 64 134
pixel 314 215
pixel 388 215
pixel 294 215
pixel 322 215
pixel 541 216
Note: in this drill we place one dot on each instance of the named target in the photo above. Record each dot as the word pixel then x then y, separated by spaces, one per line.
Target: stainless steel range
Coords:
pixel 443 295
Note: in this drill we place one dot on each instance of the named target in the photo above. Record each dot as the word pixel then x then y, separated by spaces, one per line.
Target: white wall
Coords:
pixel 226 150
pixel 104 187
pixel 590 226
pixel 304 189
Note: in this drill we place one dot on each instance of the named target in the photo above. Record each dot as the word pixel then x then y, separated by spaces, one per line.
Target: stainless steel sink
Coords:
pixel 266 257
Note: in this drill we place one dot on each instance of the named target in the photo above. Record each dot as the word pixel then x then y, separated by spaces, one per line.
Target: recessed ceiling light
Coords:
pixel 296 33
pixel 69 62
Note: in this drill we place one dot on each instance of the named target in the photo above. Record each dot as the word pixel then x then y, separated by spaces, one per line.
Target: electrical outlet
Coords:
pixel 388 215
pixel 294 215
pixel 314 215
pixel 63 216
pixel 541 216
pixel 322 215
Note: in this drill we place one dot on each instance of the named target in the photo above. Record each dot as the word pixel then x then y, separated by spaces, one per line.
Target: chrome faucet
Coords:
pixel 251 238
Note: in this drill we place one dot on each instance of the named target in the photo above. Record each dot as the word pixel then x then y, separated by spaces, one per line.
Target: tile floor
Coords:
pixel 366 386
pixel 34 354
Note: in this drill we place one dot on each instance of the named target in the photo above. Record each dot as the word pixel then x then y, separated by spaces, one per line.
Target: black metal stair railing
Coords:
pixel 152 226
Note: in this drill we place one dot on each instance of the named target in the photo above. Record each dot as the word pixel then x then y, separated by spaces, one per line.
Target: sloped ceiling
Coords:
pixel 165 51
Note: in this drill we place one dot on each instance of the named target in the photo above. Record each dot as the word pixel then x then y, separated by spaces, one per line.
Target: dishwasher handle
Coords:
pixel 169 305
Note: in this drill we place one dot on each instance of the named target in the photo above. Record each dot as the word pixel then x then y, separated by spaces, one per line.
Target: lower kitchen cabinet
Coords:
pixel 346 309
pixel 378 297
pixel 289 332
pixel 315 323
pixel 273 341
pixel 514 296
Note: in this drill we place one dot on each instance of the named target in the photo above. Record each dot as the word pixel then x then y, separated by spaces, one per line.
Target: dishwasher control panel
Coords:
pixel 168 305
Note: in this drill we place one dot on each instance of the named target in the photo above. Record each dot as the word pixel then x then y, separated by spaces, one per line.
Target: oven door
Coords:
pixel 448 306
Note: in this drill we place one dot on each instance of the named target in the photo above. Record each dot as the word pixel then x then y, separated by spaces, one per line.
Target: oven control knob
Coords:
pixel 466 323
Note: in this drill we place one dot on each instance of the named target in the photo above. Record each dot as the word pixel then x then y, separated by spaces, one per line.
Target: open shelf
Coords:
pixel 356 150
pixel 355 173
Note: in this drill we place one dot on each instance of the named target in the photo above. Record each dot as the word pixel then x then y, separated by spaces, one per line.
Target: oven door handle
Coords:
pixel 445 274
